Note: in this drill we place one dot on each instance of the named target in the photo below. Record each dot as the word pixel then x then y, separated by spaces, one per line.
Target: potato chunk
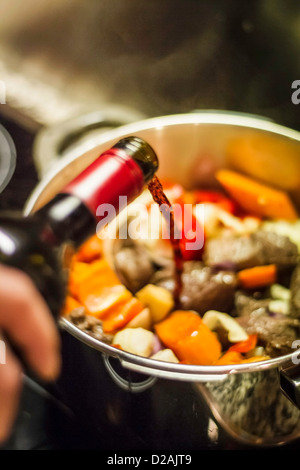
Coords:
pixel 135 340
pixel 158 299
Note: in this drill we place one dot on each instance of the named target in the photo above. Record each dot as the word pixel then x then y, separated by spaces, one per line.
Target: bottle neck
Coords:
pixel 66 219
pixel 100 192
pixel 110 176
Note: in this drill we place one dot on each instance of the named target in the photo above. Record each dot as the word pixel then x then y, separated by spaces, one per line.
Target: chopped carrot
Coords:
pixel 245 346
pixel 256 197
pixel 191 340
pixel 77 272
pixel 105 301
pixel 121 315
pixel 201 347
pixel 258 276
pixel 90 250
pixel 255 359
pixel 69 305
pixel 91 280
pixel 229 357
pixel 234 357
pixel 177 325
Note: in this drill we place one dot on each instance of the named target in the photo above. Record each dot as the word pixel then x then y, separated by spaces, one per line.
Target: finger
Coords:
pixel 10 390
pixel 26 319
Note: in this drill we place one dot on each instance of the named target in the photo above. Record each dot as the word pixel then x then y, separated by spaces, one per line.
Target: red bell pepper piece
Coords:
pixel 215 197
pixel 245 346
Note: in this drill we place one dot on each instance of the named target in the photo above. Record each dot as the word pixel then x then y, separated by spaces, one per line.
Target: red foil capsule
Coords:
pixel 110 176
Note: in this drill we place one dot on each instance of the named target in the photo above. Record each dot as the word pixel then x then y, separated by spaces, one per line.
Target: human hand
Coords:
pixel 27 321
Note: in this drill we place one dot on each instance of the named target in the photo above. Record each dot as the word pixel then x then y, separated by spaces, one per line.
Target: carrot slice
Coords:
pixel 256 197
pixel 201 347
pixel 177 325
pixel 97 276
pixel 121 315
pixel 229 357
pixel 258 276
pixel 90 250
pixel 69 305
pixel 105 301
pixel 191 340
pixel 234 357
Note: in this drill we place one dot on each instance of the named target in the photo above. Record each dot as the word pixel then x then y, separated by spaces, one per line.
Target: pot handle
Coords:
pixel 289 379
pixel 163 373
pixel 128 386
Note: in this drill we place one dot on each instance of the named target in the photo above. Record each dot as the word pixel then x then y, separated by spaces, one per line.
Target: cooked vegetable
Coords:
pixel 121 314
pixel 91 278
pixel 191 340
pixel 234 357
pixel 69 305
pixel 279 306
pixel 213 319
pixel 258 276
pixel 135 340
pixel 230 357
pixel 90 250
pixel 109 298
pixel 159 301
pixel 219 221
pixel 245 281
pixel 257 198
pixel 165 355
pixel 245 346
pixel 279 292
pixel 180 323
pixel 216 198
pixel 141 320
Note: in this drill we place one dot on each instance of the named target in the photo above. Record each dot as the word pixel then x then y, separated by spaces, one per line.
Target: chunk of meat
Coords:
pixel 241 251
pixel 248 304
pixel 89 324
pixel 295 293
pixel 202 287
pixel 134 266
pixel 275 332
pixel 276 249
pixel 246 251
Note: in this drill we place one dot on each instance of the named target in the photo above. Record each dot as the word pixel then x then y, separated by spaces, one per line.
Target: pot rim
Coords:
pixel 139 363
pixel 174 370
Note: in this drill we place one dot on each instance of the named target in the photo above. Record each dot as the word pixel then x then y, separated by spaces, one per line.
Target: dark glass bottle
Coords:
pixel 33 243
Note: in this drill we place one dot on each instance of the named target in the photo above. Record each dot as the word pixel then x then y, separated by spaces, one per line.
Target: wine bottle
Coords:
pixel 32 243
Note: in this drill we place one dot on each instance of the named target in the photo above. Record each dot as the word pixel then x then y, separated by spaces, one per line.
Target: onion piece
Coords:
pixel 214 319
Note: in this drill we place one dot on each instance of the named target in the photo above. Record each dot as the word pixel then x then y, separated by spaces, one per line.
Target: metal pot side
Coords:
pixel 246 400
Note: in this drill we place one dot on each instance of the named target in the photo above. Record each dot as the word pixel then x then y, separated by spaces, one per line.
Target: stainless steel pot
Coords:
pixel 7 158
pixel 147 403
